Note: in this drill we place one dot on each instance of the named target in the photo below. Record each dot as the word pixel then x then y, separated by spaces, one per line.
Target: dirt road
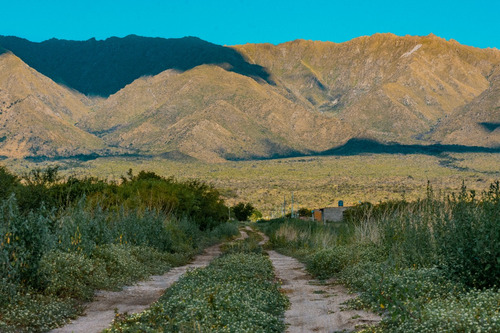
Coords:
pixel 132 299
pixel 315 306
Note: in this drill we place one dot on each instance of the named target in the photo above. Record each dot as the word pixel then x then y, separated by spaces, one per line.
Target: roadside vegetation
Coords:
pixel 432 265
pixel 63 238
pixel 237 292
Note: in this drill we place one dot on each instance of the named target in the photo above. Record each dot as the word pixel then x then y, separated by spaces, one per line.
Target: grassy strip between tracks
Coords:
pixel 237 292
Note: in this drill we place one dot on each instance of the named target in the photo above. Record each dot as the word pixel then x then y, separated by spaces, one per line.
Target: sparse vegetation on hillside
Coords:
pixel 316 181
pixel 419 263
pixel 244 102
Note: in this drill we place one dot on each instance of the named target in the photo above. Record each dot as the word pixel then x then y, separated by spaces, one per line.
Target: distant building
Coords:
pixel 329 214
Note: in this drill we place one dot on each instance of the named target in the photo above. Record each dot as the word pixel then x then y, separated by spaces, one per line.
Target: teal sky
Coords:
pixel 229 22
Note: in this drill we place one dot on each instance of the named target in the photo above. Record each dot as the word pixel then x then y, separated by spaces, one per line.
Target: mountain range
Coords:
pixel 187 98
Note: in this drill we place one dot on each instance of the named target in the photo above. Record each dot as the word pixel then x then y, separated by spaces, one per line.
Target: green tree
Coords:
pixel 256 215
pixel 243 211
pixel 304 212
pixel 8 182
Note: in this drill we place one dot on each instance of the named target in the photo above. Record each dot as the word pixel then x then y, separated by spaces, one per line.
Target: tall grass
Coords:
pixel 66 238
pixel 408 257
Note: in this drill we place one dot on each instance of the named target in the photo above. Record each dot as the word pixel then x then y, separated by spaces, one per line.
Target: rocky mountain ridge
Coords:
pixel 212 103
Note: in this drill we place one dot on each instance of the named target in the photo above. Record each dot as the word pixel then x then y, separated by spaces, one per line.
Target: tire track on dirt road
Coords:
pixel 132 299
pixel 315 306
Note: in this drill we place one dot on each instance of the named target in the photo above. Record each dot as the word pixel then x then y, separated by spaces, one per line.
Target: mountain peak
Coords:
pixel 213 103
pixel 104 67
pixel 38 116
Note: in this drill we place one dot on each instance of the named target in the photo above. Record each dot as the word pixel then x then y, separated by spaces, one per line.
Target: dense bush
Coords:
pixel 64 238
pixel 467 238
pixel 71 275
pixel 190 199
pixel 31 312
pixel 475 311
pixel 8 183
pixel 459 234
pixel 402 293
pixel 243 211
pixel 24 239
pixel 47 188
pixel 326 263
pixel 304 212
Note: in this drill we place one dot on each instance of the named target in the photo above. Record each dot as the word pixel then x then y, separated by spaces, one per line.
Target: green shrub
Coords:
pixel 36 313
pixel 8 183
pixel 156 262
pixel 468 239
pixel 142 228
pixel 326 263
pixel 247 245
pixel 8 292
pixel 23 241
pixel 225 230
pixel 402 294
pixel 121 266
pixel 71 275
pixel 192 199
pixel 242 211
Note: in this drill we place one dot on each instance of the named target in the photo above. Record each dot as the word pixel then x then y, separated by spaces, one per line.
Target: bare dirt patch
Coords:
pixel 131 299
pixel 316 306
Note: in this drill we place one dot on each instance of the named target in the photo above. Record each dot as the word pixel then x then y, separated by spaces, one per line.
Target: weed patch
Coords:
pixel 235 293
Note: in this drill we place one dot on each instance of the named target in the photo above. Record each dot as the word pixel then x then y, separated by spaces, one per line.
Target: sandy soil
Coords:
pixel 132 299
pixel 315 306
pixel 243 234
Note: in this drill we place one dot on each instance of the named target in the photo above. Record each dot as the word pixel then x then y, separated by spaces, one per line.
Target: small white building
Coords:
pixel 329 214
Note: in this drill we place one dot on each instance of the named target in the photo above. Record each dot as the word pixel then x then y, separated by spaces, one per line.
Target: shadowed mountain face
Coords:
pixel 366 146
pixel 186 98
pixel 490 126
pixel 103 67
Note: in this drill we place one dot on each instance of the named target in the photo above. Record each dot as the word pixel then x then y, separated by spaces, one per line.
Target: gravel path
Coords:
pixel 132 299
